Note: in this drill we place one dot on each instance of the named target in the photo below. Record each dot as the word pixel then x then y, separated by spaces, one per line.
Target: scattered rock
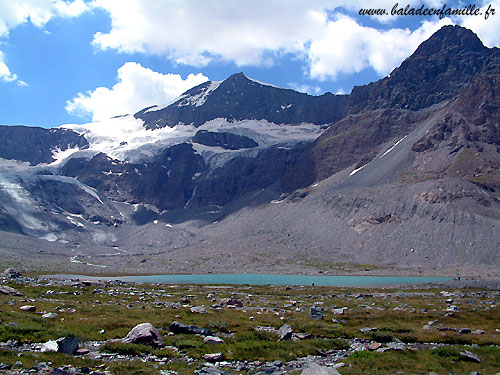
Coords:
pixel 29 308
pixel 315 369
pixel 10 291
pixel 144 333
pixel 177 327
pixel 213 340
pixel 396 346
pixel 198 310
pixel 213 357
pixel 285 332
pixel 465 331
pixel 316 313
pixel 11 273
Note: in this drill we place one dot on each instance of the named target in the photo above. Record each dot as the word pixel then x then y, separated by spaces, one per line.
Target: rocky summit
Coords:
pixel 400 176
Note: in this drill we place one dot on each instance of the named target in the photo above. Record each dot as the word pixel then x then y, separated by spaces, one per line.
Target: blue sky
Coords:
pixel 79 61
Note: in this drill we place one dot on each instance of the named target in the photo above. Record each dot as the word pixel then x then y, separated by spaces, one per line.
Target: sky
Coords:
pixel 78 61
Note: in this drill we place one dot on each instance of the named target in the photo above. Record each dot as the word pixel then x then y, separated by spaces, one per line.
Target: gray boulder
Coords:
pixel 144 333
pixel 68 345
pixel 285 332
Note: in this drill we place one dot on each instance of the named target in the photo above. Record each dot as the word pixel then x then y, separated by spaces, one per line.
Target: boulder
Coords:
pixel 144 333
pixel 285 332
pixel 10 291
pixel 68 345
pixel 177 327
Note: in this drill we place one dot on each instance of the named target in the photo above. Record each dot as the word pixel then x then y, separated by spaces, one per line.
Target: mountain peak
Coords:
pixel 450 39
pixel 435 72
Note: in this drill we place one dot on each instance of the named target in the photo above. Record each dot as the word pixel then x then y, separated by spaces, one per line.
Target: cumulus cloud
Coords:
pixel 197 32
pixel 137 88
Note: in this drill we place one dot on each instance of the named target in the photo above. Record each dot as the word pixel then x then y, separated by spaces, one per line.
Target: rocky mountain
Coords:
pixel 240 175
pixel 240 98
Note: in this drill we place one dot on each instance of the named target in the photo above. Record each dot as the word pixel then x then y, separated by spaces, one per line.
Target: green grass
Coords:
pixel 102 317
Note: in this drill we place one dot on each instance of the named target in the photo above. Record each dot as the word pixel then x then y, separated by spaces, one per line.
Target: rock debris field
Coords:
pixel 62 327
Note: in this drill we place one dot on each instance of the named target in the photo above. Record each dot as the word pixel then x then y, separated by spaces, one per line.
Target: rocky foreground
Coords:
pixel 88 327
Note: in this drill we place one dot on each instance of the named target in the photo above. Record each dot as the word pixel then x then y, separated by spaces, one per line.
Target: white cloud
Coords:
pixel 137 88
pixel 16 12
pixel 347 47
pixel 488 30
pixel 197 32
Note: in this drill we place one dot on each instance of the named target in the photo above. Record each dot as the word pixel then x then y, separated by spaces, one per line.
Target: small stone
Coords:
pixel 465 331
pixel 213 340
pixel 82 351
pixel 29 308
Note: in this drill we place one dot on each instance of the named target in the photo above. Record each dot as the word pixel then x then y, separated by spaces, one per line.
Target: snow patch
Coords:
pixel 61 155
pixel 199 99
pixel 356 170
pixel 397 143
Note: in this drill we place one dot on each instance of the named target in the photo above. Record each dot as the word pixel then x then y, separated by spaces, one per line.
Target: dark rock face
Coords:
pixel 239 98
pixel 437 70
pixel 35 145
pixel 178 177
pixel 390 108
pixel 225 140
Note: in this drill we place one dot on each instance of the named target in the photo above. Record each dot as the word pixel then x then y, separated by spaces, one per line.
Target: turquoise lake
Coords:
pixel 265 279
